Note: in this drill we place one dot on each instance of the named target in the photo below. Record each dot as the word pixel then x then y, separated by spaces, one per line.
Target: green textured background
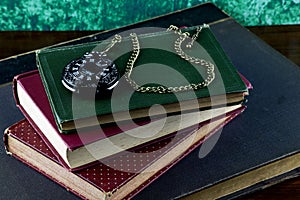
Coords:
pixel 107 14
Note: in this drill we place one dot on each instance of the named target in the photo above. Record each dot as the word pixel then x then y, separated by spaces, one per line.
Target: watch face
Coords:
pixel 94 71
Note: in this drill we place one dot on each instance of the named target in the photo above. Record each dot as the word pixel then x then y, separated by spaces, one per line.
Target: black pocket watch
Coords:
pixel 93 72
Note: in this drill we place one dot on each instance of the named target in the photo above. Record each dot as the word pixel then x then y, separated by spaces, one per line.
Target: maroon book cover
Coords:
pixel 121 176
pixel 28 87
pixel 32 83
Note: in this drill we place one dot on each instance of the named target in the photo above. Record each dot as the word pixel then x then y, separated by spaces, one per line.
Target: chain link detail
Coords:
pixel 177 45
pixel 117 39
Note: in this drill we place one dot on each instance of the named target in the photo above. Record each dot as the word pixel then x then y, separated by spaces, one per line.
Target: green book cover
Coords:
pixel 157 64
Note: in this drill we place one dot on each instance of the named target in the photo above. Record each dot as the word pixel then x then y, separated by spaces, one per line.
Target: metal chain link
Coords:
pixel 117 39
pixel 178 43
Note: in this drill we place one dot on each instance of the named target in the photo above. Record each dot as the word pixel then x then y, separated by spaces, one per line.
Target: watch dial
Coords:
pixel 93 71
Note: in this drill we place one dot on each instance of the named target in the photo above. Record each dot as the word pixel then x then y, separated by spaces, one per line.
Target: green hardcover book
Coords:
pixel 158 64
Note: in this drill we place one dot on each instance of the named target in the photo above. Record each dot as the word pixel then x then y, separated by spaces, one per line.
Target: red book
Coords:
pixel 32 100
pixel 120 177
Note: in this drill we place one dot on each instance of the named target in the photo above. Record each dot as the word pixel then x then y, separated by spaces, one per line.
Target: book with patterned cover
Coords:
pixel 121 176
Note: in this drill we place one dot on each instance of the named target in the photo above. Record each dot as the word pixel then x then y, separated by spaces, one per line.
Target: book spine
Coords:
pixel 15 82
pixel 29 119
pixel 5 141
pixel 58 119
pixel 7 137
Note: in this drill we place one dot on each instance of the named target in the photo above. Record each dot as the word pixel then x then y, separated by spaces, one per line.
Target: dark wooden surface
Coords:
pixel 286 39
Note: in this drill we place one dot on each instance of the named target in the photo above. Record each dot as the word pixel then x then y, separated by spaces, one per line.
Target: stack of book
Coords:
pixel 116 145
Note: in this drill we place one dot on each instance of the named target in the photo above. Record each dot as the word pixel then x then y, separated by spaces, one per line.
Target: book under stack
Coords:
pixel 115 145
pixel 256 150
